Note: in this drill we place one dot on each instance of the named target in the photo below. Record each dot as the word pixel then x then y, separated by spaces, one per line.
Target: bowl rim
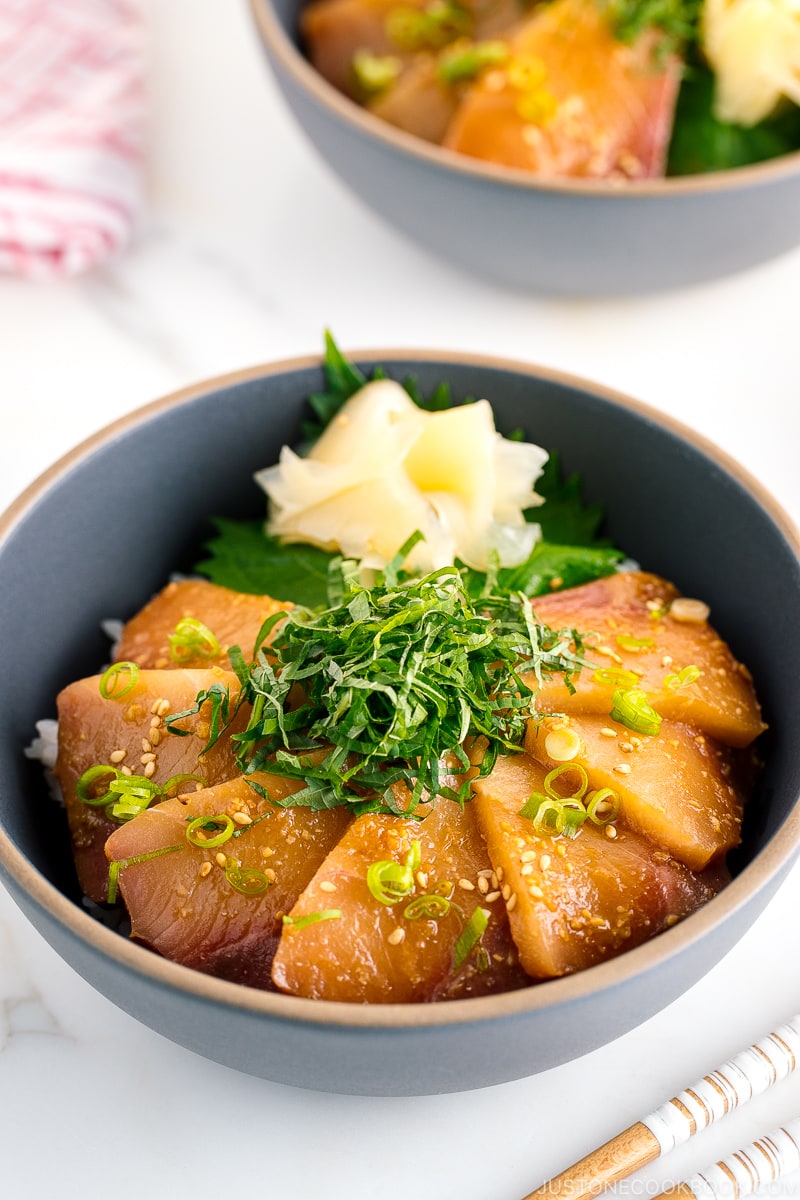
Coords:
pixel 774 860
pixel 288 54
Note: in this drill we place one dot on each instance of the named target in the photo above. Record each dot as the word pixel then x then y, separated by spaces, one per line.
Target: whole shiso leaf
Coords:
pixel 242 557
pixel 701 143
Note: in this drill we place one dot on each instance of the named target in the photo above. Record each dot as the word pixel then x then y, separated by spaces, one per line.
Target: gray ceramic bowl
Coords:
pixel 104 528
pixel 570 238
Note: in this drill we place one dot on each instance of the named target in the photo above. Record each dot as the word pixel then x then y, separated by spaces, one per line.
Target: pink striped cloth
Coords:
pixel 72 113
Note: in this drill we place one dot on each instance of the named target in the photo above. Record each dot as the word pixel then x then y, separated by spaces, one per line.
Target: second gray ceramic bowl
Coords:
pixel 571 238
pixel 104 529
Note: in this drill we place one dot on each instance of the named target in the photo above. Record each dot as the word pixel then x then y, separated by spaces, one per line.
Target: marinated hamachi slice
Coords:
pixel 572 100
pixel 183 904
pixel 234 618
pixel 679 788
pixel 375 954
pixel 685 668
pixel 578 901
pixel 93 731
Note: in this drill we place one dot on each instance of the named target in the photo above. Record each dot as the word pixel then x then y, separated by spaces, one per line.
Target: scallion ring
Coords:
pixel 682 678
pixel 192 637
pixel 431 905
pixel 247 880
pixel 112 682
pixel 632 709
pixel 557 772
pixel 389 881
pixel 625 642
pixel 220 825
pixel 615 677
pixel 84 788
pixel 119 864
pixel 602 806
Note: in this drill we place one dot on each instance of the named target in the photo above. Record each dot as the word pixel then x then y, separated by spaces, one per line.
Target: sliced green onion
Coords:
pixel 683 678
pixel 134 793
pixel 432 906
pixel 557 772
pixel 390 881
pixel 470 935
pixel 192 638
pixel 119 864
pixel 430 28
pixel 112 681
pixel 615 677
pixel 633 710
pixel 85 784
pixel 464 61
pixel 546 813
pixel 632 643
pixel 574 816
pixel 414 856
pixel 374 73
pixel 325 914
pixel 602 806
pixel 221 825
pixel 247 880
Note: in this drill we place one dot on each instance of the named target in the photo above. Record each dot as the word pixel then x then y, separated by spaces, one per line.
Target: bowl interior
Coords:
pixel 118 517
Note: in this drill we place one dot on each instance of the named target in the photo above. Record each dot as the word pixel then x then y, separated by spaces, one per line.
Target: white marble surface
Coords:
pixel 249 248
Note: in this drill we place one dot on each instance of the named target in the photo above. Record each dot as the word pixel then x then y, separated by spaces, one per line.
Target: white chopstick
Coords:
pixel 730 1086
pixel 745 1171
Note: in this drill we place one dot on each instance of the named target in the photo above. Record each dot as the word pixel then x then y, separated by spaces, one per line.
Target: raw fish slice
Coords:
pixel 572 100
pixel 233 617
pixel 94 731
pixel 721 701
pixel 677 788
pixel 579 900
pixel 375 954
pixel 183 905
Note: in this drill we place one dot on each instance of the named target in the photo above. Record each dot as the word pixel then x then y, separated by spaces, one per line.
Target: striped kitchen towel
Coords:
pixel 72 112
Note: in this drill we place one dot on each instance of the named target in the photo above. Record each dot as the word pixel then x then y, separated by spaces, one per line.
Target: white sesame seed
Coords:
pixel 536 891
pixel 126 770
pixel 544 862
pixel 147 758
pixel 512 902
pixel 611 832
pixel 692 612
pixel 606 732
pixel 146 746
pixel 270 874
pixel 483 884
pixel 220 859
pixel 527 869
pixel 150 769
pixel 117 756
pixel 505 891
pixel 492 896
pixel 623 768
pixel 396 936
pixel 327 886
pixel 241 818
pixel 205 869
pixel 467 885
pixel 163 708
pixel 528 856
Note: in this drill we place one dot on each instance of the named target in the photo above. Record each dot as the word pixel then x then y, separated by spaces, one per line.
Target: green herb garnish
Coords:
pixel 633 710
pixel 119 679
pixel 460 63
pixel 470 936
pixel 677 20
pixel 396 680
pixel 192 638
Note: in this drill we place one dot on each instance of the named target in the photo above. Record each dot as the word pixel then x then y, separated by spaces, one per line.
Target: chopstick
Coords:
pixel 746 1170
pixel 742 1077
